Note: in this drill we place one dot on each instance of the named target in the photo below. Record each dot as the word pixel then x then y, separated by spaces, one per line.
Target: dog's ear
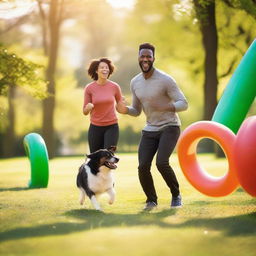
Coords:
pixel 94 155
pixel 89 156
pixel 112 149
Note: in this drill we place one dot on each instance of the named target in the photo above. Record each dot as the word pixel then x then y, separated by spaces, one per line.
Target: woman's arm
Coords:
pixel 88 108
pixel 121 106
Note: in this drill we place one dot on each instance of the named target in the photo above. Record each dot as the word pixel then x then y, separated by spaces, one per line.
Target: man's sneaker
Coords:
pixel 176 202
pixel 149 206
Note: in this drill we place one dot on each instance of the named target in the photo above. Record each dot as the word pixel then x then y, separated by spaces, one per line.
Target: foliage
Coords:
pixel 236 30
pixel 249 6
pixel 15 71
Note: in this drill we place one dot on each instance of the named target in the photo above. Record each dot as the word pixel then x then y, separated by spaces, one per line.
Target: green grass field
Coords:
pixel 51 222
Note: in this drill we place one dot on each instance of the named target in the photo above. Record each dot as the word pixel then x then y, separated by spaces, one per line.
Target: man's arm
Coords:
pixel 178 98
pixel 135 108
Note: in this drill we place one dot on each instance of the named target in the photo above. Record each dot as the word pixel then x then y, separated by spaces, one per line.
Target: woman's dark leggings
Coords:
pixel 163 142
pixel 102 136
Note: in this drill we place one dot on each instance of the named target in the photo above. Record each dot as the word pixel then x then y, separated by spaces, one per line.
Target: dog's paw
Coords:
pixel 111 201
pixel 81 198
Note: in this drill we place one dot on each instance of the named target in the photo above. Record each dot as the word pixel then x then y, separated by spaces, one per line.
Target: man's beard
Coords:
pixel 150 65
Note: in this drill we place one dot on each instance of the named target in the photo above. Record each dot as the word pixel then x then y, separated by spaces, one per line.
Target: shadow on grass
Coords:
pixel 223 202
pixel 14 189
pixel 90 220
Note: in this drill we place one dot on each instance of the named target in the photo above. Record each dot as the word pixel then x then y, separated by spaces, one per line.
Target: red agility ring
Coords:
pixel 196 175
pixel 245 155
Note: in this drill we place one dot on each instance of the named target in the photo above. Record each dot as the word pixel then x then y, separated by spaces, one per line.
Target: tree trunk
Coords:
pixel 9 136
pixel 49 103
pixel 206 15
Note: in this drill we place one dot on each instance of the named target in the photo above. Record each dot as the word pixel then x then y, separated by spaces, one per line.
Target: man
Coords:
pixel 160 98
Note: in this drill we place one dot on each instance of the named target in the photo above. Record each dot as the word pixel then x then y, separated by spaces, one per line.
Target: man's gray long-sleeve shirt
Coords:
pixel 159 87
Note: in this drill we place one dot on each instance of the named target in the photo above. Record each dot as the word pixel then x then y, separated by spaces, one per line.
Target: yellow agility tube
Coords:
pixel 37 153
pixel 196 175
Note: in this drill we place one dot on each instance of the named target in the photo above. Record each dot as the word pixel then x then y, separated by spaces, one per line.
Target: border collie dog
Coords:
pixel 96 177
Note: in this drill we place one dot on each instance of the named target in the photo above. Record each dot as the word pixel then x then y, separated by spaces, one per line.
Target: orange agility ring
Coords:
pixel 196 175
pixel 245 155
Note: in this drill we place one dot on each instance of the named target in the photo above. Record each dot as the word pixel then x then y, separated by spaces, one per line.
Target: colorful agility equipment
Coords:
pixel 239 93
pixel 245 155
pixel 240 150
pixel 37 153
pixel 196 175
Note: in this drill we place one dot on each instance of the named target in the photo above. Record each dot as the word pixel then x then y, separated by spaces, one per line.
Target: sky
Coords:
pixel 17 8
pixel 121 3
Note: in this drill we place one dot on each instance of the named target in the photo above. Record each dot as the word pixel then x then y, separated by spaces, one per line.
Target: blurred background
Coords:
pixel 45 47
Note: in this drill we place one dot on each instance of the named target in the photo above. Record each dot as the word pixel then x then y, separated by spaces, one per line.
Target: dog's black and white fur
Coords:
pixel 96 177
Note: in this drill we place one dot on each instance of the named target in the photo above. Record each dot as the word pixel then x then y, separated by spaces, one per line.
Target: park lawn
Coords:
pixel 51 222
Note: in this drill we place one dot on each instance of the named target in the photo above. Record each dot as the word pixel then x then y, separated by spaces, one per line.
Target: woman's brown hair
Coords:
pixel 93 67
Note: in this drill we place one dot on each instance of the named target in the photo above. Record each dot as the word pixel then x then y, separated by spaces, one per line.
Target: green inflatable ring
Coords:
pixel 239 93
pixel 37 153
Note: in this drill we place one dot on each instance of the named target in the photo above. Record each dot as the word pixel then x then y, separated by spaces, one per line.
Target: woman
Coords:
pixel 102 98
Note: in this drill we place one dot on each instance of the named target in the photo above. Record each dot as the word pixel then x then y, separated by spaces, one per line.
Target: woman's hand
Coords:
pixel 121 106
pixel 88 108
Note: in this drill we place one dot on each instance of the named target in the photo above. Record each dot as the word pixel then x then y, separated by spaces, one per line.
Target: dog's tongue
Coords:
pixel 111 165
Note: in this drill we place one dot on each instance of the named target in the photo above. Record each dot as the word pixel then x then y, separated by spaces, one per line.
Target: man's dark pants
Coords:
pixel 163 143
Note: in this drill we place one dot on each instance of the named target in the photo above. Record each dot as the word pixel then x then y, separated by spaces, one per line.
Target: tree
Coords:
pixel 205 12
pixel 14 72
pixel 51 45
